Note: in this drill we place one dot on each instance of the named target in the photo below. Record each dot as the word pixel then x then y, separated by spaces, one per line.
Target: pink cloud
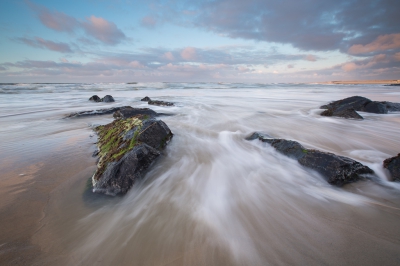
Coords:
pixel 46 44
pixel 382 43
pixel 103 30
pixel 149 22
pixel 56 20
pixel 290 66
pixel 169 56
pixel 189 53
pixel 311 58
pixel 380 58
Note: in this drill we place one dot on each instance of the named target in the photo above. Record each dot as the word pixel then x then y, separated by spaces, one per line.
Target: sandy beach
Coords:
pixel 212 198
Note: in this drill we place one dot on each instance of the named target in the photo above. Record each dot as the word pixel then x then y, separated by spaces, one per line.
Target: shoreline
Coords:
pixel 356 82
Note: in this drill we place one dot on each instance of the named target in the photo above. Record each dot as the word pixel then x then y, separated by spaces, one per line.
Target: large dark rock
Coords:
pixel 347 107
pixel 95 98
pixel 127 148
pixel 108 99
pixel 337 170
pixel 128 111
pixel 393 165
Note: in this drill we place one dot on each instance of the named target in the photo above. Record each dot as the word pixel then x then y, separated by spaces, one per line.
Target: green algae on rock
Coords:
pixel 127 147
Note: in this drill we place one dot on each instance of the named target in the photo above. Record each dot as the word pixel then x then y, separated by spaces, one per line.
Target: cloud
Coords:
pixel 103 30
pixel 46 44
pixel 382 43
pixel 290 66
pixel 149 22
pixel 169 56
pixel 310 25
pixel 2 68
pixel 99 28
pixel 56 20
pixel 189 53
pixel 311 58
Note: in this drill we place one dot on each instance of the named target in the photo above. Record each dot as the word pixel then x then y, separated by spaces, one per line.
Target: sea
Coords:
pixel 212 197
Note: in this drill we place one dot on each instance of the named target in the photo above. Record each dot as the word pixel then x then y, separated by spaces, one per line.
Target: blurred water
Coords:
pixel 214 198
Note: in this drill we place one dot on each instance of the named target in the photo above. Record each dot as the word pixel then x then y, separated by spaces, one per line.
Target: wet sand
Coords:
pixel 212 198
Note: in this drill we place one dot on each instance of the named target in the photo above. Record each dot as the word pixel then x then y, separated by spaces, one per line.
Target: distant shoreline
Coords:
pixel 383 81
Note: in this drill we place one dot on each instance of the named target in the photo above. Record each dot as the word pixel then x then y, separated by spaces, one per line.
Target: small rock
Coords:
pixel 95 98
pixel 108 99
pixel 393 165
pixel 160 103
pixel 146 99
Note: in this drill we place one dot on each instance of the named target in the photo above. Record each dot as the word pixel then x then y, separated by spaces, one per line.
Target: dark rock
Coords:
pixel 394 84
pixel 95 98
pixel 393 165
pixel 337 170
pixel 160 103
pixel 392 107
pixel 347 107
pixel 108 99
pixel 155 133
pixel 347 113
pixel 128 111
pixel 96 112
pixel 289 148
pixel 257 135
pixel 355 102
pixel 146 99
pixel 127 147
pixel 120 176
pixel 375 107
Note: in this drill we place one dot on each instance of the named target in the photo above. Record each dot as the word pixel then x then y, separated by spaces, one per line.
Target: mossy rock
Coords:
pixel 127 147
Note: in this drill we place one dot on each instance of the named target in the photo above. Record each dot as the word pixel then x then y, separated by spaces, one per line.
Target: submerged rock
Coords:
pixel 127 147
pixel 160 103
pixel 347 107
pixel 337 170
pixel 96 112
pixel 393 165
pixel 108 99
pixel 119 112
pixel 95 98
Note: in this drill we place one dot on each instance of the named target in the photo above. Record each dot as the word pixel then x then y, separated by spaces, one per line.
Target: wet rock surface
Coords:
pixel 95 98
pixel 108 99
pixel 127 148
pixel 96 112
pixel 155 102
pixel 347 107
pixel 337 170
pixel 146 99
pixel 119 112
pixel 128 111
pixel 393 165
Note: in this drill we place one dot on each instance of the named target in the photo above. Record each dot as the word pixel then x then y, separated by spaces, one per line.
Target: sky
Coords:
pixel 263 41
